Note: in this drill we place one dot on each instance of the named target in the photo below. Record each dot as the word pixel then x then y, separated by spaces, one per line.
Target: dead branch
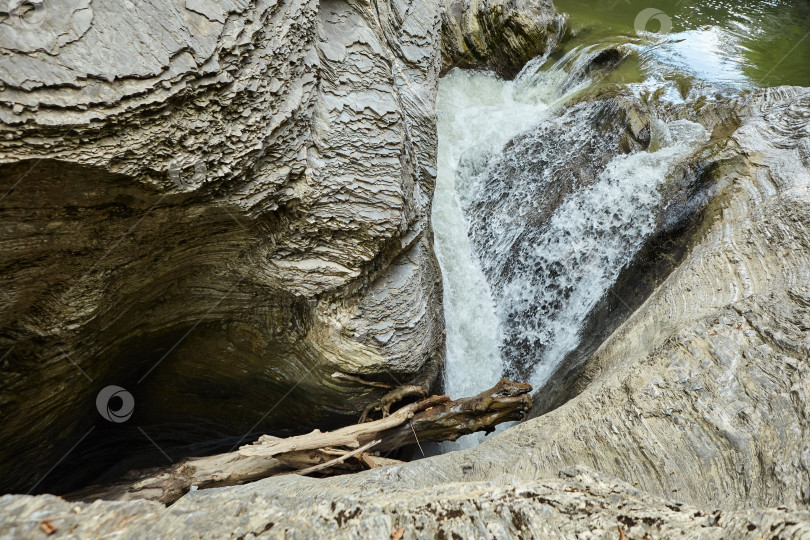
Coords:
pixel 435 418
pixel 336 461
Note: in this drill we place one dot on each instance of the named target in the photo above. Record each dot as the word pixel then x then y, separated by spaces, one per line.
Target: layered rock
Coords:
pixel 146 181
pixel 711 369
pixel 215 206
pixel 698 401
pixel 701 395
pixel 580 504
pixel 500 35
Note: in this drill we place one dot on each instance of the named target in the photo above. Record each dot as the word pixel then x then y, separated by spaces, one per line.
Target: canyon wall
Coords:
pixel 214 205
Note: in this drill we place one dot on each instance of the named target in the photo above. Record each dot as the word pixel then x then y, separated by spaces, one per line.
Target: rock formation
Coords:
pixel 217 206
pixel 230 200
pixel 212 205
pixel 707 380
pixel 500 35
pixel 580 504
pixel 698 401
pixel 700 396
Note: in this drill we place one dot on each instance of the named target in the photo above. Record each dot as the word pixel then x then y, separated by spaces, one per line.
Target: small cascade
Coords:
pixel 528 244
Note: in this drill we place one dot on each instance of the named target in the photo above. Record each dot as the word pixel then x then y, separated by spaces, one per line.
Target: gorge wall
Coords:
pixel 300 137
pixel 213 205
pixel 216 206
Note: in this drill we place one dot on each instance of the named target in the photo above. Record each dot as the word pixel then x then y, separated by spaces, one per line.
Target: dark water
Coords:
pixel 750 43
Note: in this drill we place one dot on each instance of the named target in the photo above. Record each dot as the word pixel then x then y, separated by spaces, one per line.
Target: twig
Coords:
pixel 335 461
pixel 417 438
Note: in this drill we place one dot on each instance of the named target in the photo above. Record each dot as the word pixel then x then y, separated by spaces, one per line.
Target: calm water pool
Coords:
pixel 738 43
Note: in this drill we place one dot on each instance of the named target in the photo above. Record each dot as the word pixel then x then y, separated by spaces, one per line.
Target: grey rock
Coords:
pixel 580 504
pixel 302 138
pixel 675 402
pixel 499 35
pixel 215 205
pixel 697 424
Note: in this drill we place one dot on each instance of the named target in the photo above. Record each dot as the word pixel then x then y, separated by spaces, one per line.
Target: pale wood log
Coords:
pixel 435 418
pixel 336 461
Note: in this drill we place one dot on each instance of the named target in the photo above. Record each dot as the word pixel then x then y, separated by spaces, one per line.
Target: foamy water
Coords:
pixel 566 265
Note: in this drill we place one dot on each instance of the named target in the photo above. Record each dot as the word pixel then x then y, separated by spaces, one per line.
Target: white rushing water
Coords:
pixel 592 236
pixel 476 111
pixel 564 266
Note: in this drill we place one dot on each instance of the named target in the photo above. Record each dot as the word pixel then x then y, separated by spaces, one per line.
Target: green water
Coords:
pixel 742 44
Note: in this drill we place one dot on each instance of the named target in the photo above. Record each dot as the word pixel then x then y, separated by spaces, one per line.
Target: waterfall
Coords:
pixel 476 111
pixel 520 275
pixel 560 271
pixel 477 114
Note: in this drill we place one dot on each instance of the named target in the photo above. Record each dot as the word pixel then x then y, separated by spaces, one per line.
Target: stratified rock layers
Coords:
pixel 580 504
pixel 701 396
pixel 215 205
pixel 234 205
pixel 500 35
pixel 699 400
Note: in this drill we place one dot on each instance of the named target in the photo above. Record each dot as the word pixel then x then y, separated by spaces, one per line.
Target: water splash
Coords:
pixel 470 113
pixel 522 274
pixel 478 114
pixel 560 271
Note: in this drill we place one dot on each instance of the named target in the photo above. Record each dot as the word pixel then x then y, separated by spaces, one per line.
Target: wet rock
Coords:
pixel 675 402
pixel 498 35
pixel 699 390
pixel 705 421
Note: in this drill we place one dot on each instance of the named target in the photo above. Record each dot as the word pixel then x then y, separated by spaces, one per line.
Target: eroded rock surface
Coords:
pixel 228 199
pixel 699 401
pixel 700 396
pixel 711 370
pixel 300 136
pixel 500 35
pixel 580 504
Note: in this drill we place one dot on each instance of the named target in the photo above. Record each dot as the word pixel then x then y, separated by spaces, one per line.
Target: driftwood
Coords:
pixel 435 418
